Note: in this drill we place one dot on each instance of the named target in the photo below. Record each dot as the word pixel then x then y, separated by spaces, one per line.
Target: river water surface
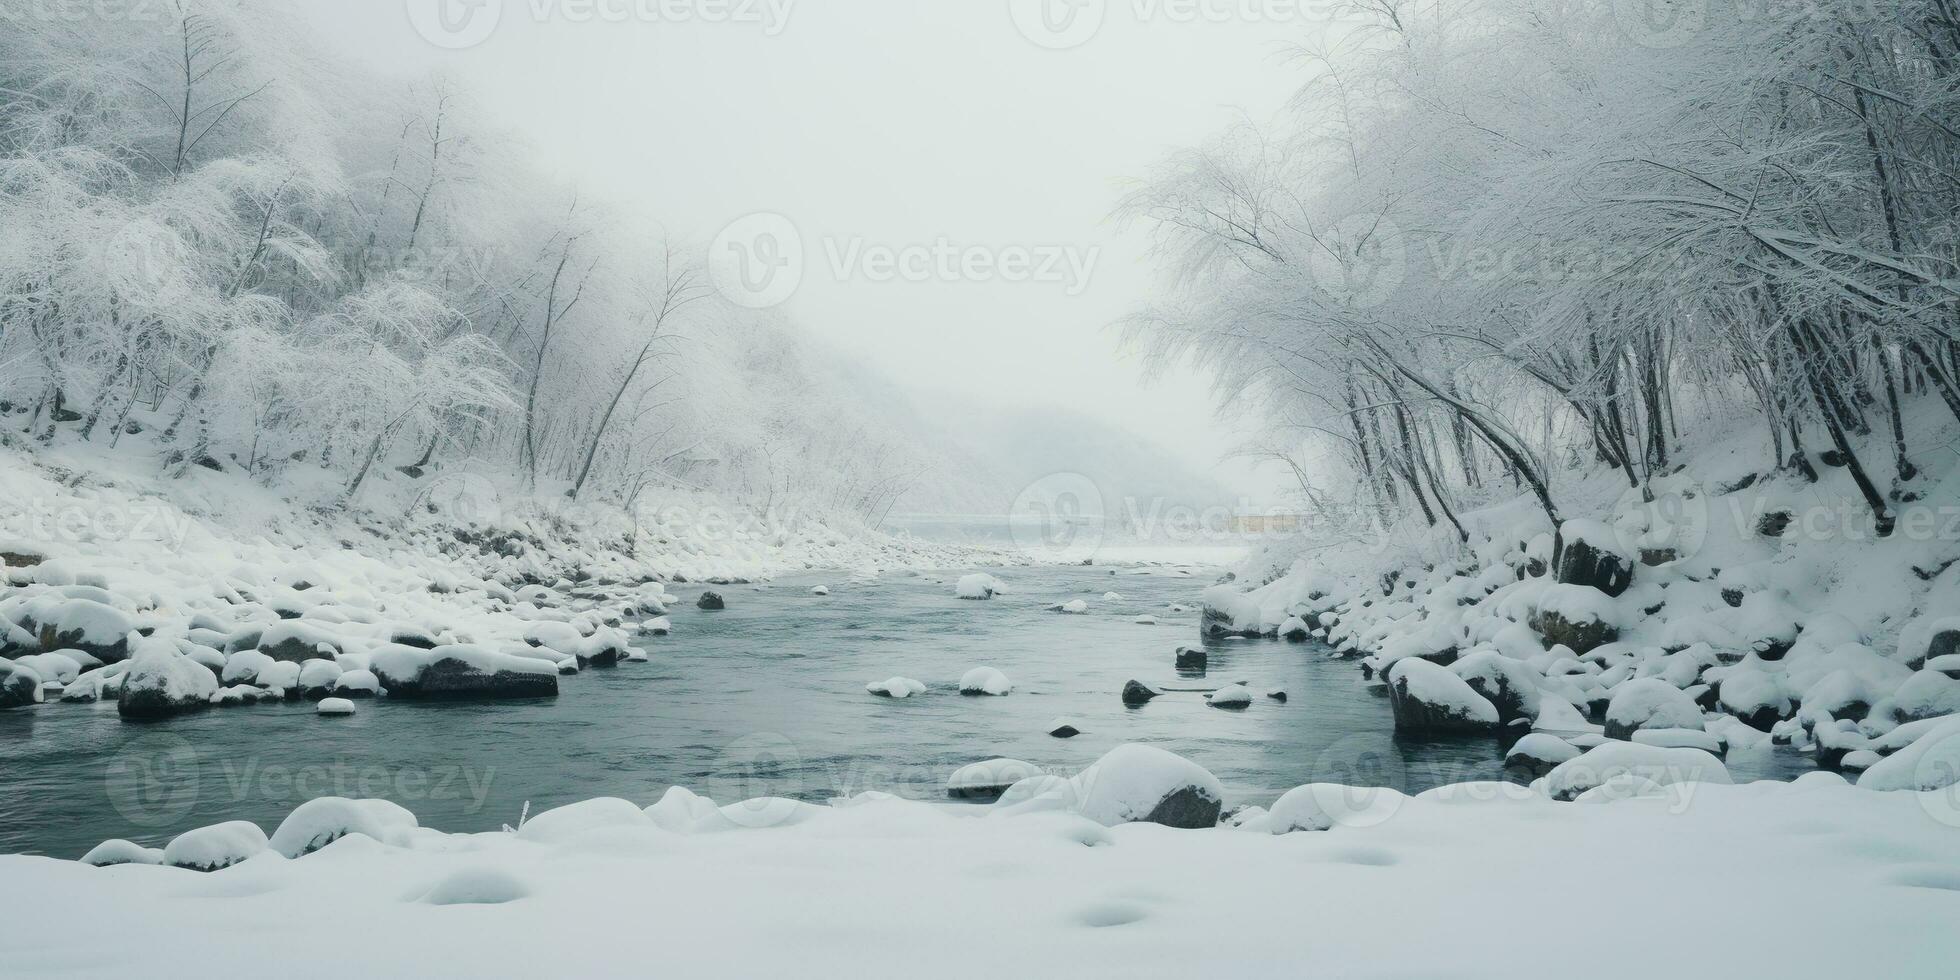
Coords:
pixel 765 698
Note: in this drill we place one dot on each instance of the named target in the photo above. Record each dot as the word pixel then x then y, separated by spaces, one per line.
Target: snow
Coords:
pixel 157 673
pixel 1073 607
pixel 1651 703
pixel 978 585
pixel 1930 763
pixel 319 822
pixel 571 822
pixel 1232 696
pixel 1440 687
pixel 985 680
pixel 114 852
pixel 1662 767
pixel 476 886
pixel 336 707
pixel 215 847
pixel 896 687
pixel 1130 781
pixel 1324 806
pixel 821 590
pixel 989 777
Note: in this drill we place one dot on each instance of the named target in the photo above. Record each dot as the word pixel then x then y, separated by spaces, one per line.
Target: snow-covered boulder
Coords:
pixel 316 823
pixel 357 684
pixel 1323 806
pixel 1233 696
pixel 1653 764
pixel 317 679
pixel 52 668
pixel 1428 699
pixel 1578 616
pixel 1649 702
pixel 978 585
pixel 1293 630
pixel 297 641
pixel 110 853
pixel 1754 696
pixel 1682 738
pixel 896 687
pixel 1509 685
pixel 216 847
pixel 1926 694
pixel 1594 558
pixel 1073 607
pixel 336 707
pixel 19 685
pixel 461 672
pixel 1930 762
pixel 244 666
pixel 58 622
pixel 1539 753
pixel 1192 659
pixel 821 590
pixel 988 780
pixel 1143 784
pixel 985 681
pixel 161 683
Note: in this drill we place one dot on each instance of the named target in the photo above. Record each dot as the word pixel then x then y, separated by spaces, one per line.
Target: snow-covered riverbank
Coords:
pixel 215 581
pixel 1737 607
pixel 1471 880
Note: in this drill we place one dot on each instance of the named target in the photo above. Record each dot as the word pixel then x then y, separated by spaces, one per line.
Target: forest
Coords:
pixel 268 261
pixel 1497 241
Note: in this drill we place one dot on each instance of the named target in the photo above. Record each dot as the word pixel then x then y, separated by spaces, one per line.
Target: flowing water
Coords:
pixel 765 698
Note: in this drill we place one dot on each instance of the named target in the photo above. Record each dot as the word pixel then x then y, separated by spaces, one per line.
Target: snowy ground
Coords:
pixel 1813 879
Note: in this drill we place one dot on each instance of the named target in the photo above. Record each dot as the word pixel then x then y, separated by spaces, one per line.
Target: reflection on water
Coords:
pixel 764 699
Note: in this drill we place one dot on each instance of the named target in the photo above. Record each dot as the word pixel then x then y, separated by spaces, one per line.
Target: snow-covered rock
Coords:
pixel 1073 607
pixel 1930 762
pixel 462 672
pixel 161 683
pixel 1230 696
pixel 978 585
pixel 336 707
pixel 1538 753
pixel 216 847
pixel 985 681
pixel 19 685
pixel 1428 699
pixel 1324 806
pixel 316 823
pixel 1662 767
pixel 1141 783
pixel 896 687
pixel 1650 703
pixel 988 780
pixel 110 853
pixel 357 684
pixel 572 821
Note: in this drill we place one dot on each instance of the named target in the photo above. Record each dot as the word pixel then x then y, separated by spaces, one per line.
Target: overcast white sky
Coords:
pixel 894 124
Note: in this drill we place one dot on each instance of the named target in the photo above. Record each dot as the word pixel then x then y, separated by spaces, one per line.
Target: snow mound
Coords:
pixel 978 585
pixel 336 707
pixel 989 779
pixel 985 681
pixel 570 822
pixel 1141 783
pixel 477 886
pixel 1661 766
pixel 216 847
pixel 319 822
pixel 896 687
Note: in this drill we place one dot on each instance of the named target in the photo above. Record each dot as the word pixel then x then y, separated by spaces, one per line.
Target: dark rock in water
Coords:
pixel 19 686
pixel 1583 564
pixel 1417 716
pixel 1190 808
pixel 1191 659
pixel 456 679
pixel 1279 696
pixel 1137 693
pixel 711 601
pixel 1774 523
pixel 1833 458
pixel 1065 731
